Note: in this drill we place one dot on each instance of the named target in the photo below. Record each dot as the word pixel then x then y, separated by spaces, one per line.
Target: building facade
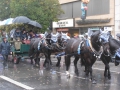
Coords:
pixel 99 13
pixel 117 16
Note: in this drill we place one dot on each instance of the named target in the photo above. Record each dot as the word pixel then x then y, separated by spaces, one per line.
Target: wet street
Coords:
pixel 24 76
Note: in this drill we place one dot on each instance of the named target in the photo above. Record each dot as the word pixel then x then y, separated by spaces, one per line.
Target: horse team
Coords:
pixel 97 45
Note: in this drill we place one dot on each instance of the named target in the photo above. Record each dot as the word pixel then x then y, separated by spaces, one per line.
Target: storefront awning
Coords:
pixel 92 21
pixel 62 29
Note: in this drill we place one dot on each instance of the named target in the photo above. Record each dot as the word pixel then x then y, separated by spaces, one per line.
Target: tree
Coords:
pixel 4 9
pixel 42 11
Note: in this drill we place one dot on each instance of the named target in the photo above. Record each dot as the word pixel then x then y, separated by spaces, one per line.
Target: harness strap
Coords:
pixel 79 47
pixel 94 51
pixel 39 45
pixel 117 53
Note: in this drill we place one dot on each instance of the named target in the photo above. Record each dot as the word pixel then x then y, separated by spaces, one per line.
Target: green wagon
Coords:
pixel 20 53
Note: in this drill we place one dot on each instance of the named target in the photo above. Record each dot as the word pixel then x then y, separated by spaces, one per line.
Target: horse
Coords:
pixel 110 48
pixel 54 47
pixel 106 58
pixel 34 52
pixel 88 58
pixel 79 49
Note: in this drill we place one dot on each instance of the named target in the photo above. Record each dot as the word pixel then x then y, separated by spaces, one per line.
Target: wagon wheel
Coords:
pixel 16 60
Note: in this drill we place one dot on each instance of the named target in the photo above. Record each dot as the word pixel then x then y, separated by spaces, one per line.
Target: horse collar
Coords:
pixel 93 50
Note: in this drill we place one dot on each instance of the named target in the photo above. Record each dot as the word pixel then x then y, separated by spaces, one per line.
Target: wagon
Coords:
pixel 21 52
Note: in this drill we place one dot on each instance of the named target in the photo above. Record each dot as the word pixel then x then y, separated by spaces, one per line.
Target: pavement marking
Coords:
pixel 16 83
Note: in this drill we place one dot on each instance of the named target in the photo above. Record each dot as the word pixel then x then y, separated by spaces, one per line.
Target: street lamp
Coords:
pixel 84 8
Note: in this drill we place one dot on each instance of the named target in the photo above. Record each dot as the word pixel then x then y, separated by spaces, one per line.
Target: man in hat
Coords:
pixel 5 51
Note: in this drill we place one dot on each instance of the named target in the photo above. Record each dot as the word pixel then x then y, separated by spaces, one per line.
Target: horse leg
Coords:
pixel 58 63
pixel 105 63
pixel 105 72
pixel 31 58
pixel 85 69
pixel 116 63
pixel 37 60
pixel 91 75
pixel 109 74
pixel 75 64
pixel 44 63
pixel 67 63
pixel 48 62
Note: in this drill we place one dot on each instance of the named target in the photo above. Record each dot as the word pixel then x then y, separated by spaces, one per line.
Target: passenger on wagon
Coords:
pixel 32 34
pixel 17 34
pixel 24 34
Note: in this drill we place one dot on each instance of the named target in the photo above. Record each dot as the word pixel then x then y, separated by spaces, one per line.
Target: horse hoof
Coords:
pixel 77 73
pixel 93 82
pixel 57 65
pixel 36 65
pixel 116 63
pixel 31 63
pixel 68 74
pixel 109 77
pixel 87 74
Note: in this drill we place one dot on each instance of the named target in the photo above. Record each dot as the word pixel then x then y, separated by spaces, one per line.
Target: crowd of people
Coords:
pixel 23 34
pixel 17 36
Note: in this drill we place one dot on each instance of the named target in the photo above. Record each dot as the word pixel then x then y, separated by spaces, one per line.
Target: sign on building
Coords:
pixel 108 28
pixel 63 23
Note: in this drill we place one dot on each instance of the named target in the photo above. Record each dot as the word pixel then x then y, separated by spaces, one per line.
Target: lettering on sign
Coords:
pixel 63 23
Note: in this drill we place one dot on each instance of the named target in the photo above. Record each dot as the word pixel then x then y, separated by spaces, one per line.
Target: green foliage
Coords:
pixel 8 28
pixel 4 9
pixel 42 11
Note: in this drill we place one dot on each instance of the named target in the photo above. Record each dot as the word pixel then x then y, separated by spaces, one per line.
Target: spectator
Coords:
pixel 5 51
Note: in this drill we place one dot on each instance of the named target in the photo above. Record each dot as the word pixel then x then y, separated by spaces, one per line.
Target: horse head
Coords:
pixel 111 46
pixel 64 39
pixel 95 40
pixel 106 49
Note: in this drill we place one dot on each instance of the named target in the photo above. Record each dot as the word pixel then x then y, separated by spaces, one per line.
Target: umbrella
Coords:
pixel 21 19
pixel 34 23
pixel 6 21
pixel 12 32
pixel 118 34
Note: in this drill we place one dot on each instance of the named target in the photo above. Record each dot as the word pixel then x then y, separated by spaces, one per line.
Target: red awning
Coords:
pixel 62 29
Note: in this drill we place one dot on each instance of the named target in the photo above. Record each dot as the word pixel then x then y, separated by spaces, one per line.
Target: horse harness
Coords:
pixel 97 54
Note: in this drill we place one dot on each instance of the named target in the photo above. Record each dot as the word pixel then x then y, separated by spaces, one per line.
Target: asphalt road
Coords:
pixel 25 76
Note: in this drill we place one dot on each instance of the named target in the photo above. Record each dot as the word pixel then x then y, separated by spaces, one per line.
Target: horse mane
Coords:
pixel 94 39
pixel 96 33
